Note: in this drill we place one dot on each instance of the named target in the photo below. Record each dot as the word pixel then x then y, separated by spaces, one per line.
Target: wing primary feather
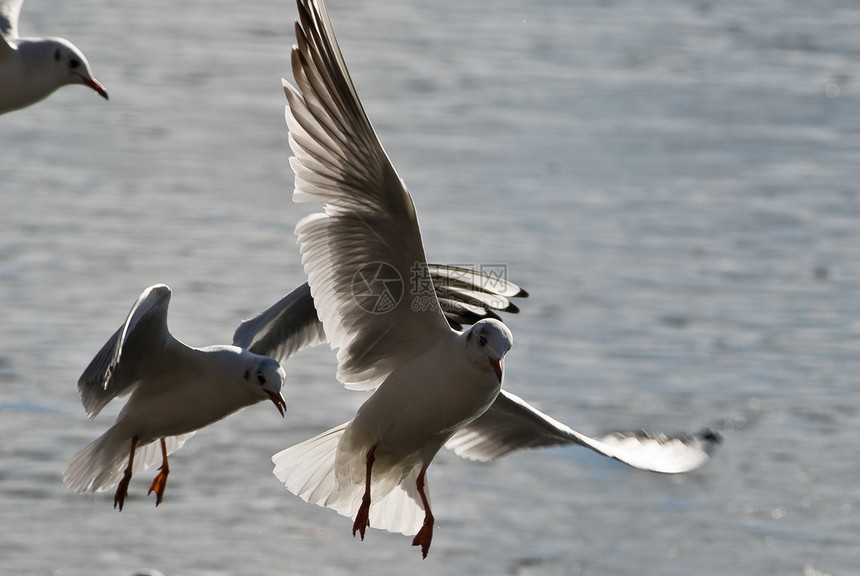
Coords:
pixel 512 424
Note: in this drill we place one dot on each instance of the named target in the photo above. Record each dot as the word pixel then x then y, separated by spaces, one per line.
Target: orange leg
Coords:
pixel 122 489
pixel 160 481
pixel 425 535
pixel 362 518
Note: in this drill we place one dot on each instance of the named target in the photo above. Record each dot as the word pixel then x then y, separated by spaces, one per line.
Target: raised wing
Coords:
pixel 9 11
pixel 512 424
pixel 284 328
pixel 290 324
pixel 364 254
pixel 112 372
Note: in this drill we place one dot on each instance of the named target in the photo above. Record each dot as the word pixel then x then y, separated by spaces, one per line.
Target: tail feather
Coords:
pixel 308 470
pixel 399 510
pixel 101 465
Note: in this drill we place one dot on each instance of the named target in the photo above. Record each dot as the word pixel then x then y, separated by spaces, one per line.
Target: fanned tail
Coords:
pixel 100 465
pixel 308 470
pixel 400 510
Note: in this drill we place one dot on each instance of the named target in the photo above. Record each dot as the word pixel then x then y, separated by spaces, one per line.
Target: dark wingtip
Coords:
pixel 711 436
pixel 511 308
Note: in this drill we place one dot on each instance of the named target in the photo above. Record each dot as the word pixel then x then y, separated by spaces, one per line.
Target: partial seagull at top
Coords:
pixel 31 69
pixel 433 384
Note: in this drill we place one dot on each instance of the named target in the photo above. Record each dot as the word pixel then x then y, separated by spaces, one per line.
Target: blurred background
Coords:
pixel 676 185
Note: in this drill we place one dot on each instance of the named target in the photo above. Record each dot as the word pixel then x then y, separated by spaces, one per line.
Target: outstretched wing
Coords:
pixel 290 324
pixel 512 424
pixel 112 372
pixel 364 251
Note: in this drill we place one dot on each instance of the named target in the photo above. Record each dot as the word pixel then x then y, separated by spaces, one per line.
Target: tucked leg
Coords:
pixel 160 481
pixel 425 535
pixel 362 519
pixel 122 489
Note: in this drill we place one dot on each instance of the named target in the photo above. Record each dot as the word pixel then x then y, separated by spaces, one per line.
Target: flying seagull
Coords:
pixel 173 391
pixel 433 384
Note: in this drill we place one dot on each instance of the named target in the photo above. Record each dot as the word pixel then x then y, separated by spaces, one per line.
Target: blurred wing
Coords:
pixel 364 254
pixel 9 10
pixel 284 328
pixel 292 323
pixel 512 424
pixel 112 372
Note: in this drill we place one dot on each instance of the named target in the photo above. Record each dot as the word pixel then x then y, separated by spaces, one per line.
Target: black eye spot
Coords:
pixel 482 339
pixel 57 55
pixel 74 63
pixel 260 378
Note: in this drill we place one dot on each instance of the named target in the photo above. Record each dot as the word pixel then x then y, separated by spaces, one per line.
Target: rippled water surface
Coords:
pixel 676 184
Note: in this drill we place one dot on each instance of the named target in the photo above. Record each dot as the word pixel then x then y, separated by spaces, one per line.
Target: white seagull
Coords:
pixel 33 68
pixel 174 390
pixel 433 384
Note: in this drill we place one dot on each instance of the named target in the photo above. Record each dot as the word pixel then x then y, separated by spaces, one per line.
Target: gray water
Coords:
pixel 676 184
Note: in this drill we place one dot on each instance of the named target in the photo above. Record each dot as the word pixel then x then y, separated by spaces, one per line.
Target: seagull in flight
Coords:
pixel 434 384
pixel 173 390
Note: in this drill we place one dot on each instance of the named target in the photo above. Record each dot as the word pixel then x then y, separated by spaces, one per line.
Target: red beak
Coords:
pixel 279 402
pixel 95 85
pixel 497 367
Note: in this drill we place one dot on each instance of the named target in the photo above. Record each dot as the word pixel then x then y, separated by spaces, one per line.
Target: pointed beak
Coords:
pixel 497 366
pixel 279 402
pixel 95 85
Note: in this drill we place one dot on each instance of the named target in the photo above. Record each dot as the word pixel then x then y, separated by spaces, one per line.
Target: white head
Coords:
pixel 71 66
pixel 487 342
pixel 267 376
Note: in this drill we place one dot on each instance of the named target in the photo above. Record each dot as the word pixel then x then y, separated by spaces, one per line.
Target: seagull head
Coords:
pixel 71 66
pixel 268 375
pixel 487 343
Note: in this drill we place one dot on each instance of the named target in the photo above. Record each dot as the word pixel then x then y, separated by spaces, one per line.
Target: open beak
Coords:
pixel 95 85
pixel 497 366
pixel 279 402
